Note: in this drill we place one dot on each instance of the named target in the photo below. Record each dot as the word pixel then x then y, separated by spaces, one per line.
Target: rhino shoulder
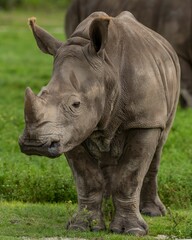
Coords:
pixel 98 14
pixel 126 14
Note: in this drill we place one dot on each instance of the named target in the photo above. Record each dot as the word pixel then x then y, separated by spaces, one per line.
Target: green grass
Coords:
pixel 35 4
pixel 22 64
pixel 38 179
pixel 48 220
pixel 175 176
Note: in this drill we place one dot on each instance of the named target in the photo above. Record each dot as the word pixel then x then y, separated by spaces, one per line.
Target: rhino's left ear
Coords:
pixel 46 42
pixel 98 33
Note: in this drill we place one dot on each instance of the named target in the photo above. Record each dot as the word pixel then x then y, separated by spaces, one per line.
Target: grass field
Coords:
pixel 34 179
pixel 22 65
pixel 47 220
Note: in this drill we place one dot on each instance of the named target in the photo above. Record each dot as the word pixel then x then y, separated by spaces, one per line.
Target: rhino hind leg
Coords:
pixel 153 208
pixel 89 183
pixel 132 167
pixel 150 202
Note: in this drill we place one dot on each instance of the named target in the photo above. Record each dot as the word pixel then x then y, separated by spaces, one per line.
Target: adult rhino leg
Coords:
pixel 89 184
pixel 150 203
pixel 186 83
pixel 139 150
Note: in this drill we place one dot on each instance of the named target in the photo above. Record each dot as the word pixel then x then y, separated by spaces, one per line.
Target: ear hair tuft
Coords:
pixel 32 21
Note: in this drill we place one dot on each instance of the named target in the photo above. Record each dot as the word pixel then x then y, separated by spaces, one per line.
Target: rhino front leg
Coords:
pixel 89 183
pixel 150 203
pixel 127 181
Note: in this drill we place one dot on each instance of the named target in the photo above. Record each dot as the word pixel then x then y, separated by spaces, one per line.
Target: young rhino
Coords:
pixel 109 107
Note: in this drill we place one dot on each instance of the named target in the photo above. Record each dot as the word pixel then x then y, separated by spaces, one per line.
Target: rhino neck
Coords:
pixel 112 92
pixel 108 129
pixel 107 143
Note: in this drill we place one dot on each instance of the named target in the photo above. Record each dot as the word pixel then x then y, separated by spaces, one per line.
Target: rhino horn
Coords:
pixel 32 106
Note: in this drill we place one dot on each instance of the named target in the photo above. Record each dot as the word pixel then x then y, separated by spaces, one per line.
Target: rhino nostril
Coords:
pixel 54 148
pixel 54 144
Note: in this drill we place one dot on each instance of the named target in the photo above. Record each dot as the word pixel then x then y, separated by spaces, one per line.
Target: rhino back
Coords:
pixel 170 18
pixel 174 24
pixel 148 69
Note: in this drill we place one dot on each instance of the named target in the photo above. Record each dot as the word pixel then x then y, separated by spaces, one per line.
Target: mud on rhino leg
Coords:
pixel 89 184
pixel 127 181
pixel 150 203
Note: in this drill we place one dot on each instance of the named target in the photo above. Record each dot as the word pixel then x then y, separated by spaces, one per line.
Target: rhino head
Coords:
pixel 70 107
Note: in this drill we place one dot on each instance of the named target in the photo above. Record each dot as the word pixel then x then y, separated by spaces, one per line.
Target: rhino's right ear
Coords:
pixel 46 42
pixel 98 33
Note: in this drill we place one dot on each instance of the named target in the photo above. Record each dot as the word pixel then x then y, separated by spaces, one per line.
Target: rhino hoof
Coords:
pixel 136 232
pixel 132 231
pixel 116 230
pixel 154 210
pixel 98 228
pixel 134 227
pixel 83 227
pixel 76 227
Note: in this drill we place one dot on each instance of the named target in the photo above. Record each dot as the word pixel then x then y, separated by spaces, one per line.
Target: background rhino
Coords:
pixel 171 18
pixel 109 107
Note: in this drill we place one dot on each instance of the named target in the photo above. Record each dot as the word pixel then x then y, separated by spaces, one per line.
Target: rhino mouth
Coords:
pixel 48 149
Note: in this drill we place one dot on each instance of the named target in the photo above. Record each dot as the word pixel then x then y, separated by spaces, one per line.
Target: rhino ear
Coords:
pixel 98 33
pixel 46 42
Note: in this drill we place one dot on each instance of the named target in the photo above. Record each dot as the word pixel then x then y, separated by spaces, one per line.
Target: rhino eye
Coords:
pixel 76 104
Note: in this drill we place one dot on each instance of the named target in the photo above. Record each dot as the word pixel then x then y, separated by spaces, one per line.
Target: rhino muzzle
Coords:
pixel 48 149
pixel 33 142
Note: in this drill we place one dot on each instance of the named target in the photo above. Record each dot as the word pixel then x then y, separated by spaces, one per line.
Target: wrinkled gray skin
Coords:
pixel 109 107
pixel 171 18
